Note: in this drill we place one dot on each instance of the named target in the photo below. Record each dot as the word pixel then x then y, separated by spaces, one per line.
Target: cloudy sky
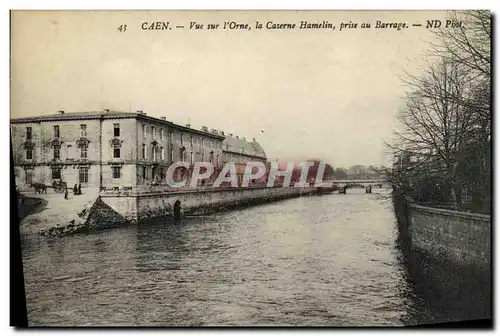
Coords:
pixel 327 94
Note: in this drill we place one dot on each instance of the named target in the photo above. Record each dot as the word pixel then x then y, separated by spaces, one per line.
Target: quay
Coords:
pixel 108 209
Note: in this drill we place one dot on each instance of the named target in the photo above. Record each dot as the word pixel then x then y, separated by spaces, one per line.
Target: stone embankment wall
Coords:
pixel 137 206
pixel 93 217
pixel 448 256
pixel 114 209
pixel 462 237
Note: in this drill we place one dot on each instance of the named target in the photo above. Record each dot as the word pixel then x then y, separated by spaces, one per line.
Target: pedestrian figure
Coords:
pixel 75 189
pixel 66 193
pixel 79 189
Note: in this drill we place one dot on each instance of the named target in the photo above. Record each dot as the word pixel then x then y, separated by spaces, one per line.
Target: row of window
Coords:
pixel 83 131
pixel 116 133
pixel 153 132
pixel 182 154
pixel 154 136
pixel 83 174
pixel 57 152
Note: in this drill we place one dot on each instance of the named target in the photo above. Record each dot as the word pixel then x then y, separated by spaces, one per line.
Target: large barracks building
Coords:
pixel 117 150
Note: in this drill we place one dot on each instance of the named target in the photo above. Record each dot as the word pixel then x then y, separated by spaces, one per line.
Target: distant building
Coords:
pixel 240 151
pixel 105 149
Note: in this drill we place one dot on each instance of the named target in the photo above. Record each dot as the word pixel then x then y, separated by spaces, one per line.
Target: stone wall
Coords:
pixel 462 237
pixel 137 206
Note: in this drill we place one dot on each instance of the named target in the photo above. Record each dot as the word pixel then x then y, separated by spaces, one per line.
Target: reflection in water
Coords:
pixel 331 261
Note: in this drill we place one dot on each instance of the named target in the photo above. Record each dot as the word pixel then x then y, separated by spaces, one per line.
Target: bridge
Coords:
pixel 363 183
pixel 343 185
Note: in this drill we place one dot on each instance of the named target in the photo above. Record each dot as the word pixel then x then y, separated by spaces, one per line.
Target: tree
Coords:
pixel 340 174
pixel 446 121
pixel 469 43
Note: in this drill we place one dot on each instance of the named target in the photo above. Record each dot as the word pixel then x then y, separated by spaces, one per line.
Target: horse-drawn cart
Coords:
pixel 41 188
pixel 59 186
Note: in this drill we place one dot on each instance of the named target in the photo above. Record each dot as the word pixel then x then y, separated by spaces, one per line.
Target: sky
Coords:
pixel 302 94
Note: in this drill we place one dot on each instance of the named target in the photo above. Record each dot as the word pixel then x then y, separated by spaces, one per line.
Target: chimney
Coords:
pixel 60 112
pixel 141 112
pixel 221 132
pixel 204 128
pixel 237 137
pixel 163 118
pixel 188 125
pixel 105 110
pixel 253 139
pixel 230 134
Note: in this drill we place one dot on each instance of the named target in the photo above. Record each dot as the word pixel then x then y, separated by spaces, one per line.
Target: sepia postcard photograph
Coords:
pixel 251 168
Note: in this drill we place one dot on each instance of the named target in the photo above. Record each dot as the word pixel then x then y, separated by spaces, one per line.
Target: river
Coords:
pixel 330 260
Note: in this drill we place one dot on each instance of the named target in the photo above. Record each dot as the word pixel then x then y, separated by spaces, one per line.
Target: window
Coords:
pixel 202 143
pixel 29 153
pixel 144 131
pixel 116 153
pixel 211 158
pixel 154 150
pixel 70 153
pixel 162 150
pixel 181 155
pixel 202 157
pixel 153 132
pixel 171 155
pixel 28 133
pixel 144 173
pixel 56 131
pixel 191 141
pixel 83 176
pixel 143 151
pixel 182 140
pixel 57 151
pixel 28 174
pixel 83 130
pixel 56 173
pixel 172 138
pixel 218 161
pixel 210 143
pixel 192 158
pixel 161 133
pixel 83 152
pixel 162 173
pixel 116 130
pixel 116 172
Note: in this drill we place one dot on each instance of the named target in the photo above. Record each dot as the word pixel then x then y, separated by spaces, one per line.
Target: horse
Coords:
pixel 39 188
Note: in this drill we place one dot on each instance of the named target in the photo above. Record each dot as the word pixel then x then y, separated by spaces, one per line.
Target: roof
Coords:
pixel 75 116
pixel 240 146
pixel 107 115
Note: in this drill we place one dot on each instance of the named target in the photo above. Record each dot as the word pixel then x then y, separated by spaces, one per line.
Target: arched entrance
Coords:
pixel 177 210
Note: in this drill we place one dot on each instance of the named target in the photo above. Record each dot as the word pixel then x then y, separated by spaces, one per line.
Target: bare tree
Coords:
pixel 435 123
pixel 446 121
pixel 468 43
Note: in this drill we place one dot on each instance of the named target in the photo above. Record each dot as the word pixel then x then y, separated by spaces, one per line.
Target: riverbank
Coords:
pixel 448 261
pixel 55 212
pixel 136 206
pixel 98 211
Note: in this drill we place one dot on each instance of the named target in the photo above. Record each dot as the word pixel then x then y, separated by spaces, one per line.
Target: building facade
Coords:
pixel 240 151
pixel 106 149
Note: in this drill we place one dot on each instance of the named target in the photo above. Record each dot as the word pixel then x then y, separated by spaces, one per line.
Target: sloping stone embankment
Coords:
pixel 93 217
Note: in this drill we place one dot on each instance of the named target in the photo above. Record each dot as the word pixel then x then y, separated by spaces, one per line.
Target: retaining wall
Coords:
pixel 137 206
pixel 462 237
